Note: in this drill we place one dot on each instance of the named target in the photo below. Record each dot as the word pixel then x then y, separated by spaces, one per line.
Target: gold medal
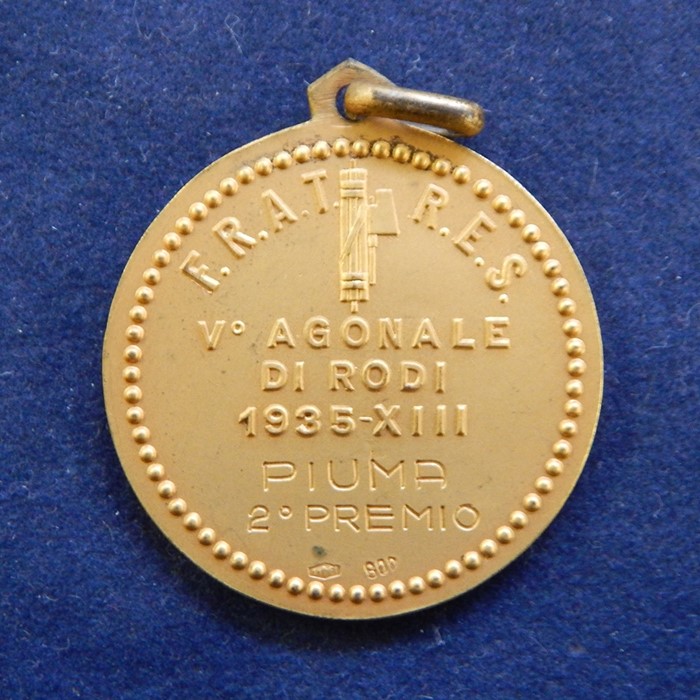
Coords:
pixel 353 368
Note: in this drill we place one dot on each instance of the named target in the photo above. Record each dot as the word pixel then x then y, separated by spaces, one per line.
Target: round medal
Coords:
pixel 353 368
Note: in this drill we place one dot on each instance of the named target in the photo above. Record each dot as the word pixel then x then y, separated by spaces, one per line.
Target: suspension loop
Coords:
pixel 450 114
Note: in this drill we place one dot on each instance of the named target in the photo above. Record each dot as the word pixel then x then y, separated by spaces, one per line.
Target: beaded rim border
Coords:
pixel 518 519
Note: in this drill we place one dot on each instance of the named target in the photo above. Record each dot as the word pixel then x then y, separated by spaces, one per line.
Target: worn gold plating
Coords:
pixel 352 369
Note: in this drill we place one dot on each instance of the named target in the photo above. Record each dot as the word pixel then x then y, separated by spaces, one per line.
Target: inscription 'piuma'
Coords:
pixel 341 476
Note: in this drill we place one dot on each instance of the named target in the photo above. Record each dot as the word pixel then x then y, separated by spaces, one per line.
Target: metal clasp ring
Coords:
pixel 454 115
pixel 370 94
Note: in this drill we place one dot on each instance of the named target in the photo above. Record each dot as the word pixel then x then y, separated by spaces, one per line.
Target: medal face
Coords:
pixel 352 369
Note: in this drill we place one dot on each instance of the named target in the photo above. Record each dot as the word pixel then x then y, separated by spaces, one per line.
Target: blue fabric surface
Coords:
pixel 107 108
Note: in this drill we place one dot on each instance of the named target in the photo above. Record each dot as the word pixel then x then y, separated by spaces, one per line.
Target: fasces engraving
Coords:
pixel 361 223
pixel 360 390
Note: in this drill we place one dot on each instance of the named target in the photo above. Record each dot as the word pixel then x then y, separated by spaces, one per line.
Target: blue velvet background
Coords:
pixel 107 108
